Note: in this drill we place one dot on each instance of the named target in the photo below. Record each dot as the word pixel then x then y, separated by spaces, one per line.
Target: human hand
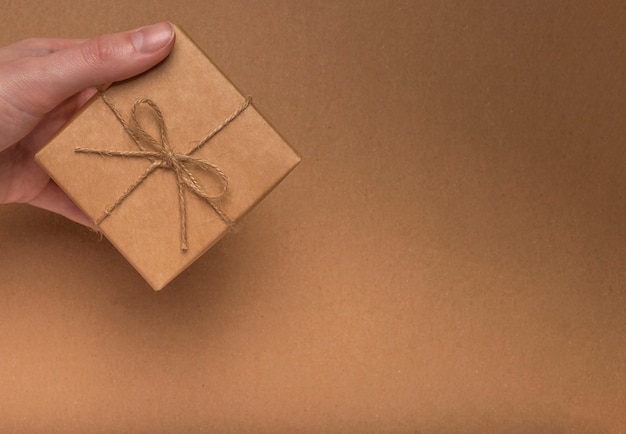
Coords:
pixel 43 82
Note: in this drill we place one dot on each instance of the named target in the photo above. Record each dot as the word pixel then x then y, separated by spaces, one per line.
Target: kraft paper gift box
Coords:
pixel 164 200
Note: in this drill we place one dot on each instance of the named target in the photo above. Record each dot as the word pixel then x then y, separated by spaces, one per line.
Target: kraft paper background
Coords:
pixel 450 256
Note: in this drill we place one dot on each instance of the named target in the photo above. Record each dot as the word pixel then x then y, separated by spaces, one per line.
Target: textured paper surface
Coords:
pixel 194 98
pixel 450 255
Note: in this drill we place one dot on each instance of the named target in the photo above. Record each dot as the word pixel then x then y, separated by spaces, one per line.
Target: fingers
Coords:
pixel 53 199
pixel 49 80
pixel 53 121
pixel 34 47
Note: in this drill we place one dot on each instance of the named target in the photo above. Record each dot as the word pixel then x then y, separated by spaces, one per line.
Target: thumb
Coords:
pixel 103 59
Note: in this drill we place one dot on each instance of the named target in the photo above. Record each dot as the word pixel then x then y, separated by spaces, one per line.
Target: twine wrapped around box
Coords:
pixel 160 153
pixel 138 193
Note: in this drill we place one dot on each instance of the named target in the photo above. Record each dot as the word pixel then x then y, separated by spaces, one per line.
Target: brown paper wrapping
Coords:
pixel 194 97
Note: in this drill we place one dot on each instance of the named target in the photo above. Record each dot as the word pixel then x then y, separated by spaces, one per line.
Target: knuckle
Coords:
pixel 99 50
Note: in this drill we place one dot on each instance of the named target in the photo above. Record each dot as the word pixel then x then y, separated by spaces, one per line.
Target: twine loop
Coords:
pixel 162 156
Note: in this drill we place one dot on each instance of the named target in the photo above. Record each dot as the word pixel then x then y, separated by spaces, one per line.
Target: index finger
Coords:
pixel 35 47
pixel 42 83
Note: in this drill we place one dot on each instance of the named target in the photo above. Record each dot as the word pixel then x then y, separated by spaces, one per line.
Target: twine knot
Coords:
pixel 162 156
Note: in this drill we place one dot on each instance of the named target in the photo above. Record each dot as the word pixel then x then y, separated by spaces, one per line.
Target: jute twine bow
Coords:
pixel 161 155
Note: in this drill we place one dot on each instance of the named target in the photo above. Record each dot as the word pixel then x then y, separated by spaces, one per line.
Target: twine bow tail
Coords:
pixel 161 156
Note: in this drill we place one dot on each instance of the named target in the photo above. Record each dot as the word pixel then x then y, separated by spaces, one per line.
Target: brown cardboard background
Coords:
pixel 449 256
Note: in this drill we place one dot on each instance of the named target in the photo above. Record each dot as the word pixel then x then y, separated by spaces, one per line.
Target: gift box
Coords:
pixel 167 162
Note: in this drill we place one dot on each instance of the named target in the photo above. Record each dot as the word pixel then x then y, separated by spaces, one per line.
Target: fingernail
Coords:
pixel 152 38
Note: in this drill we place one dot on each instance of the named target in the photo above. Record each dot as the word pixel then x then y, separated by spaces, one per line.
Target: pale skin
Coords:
pixel 43 82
